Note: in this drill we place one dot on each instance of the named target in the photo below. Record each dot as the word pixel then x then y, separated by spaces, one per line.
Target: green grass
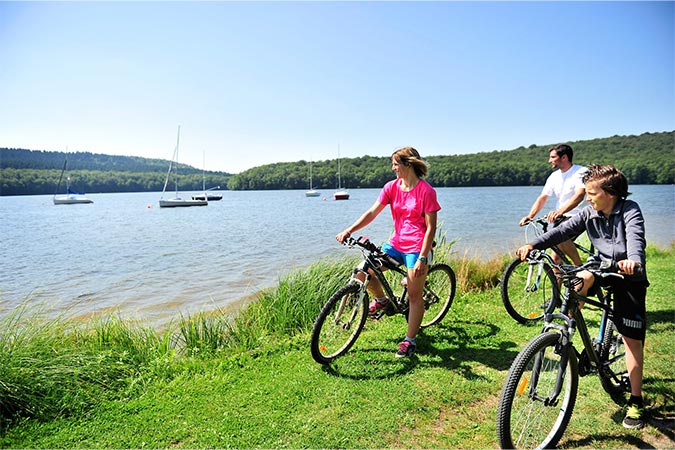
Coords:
pixel 218 380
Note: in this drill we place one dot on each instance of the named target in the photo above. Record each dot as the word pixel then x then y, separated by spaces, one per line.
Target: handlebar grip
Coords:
pixel 613 266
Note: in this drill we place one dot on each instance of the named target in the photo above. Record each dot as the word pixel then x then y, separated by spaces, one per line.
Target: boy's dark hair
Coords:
pixel 563 149
pixel 609 178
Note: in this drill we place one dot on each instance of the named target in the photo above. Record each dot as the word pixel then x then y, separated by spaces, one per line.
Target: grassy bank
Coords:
pixel 213 380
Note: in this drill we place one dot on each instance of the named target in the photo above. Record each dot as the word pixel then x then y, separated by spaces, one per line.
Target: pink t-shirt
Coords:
pixel 408 209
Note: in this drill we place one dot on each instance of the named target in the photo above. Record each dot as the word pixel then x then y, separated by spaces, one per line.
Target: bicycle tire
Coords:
pixel 524 422
pixel 614 375
pixel 439 292
pixel 524 301
pixel 332 338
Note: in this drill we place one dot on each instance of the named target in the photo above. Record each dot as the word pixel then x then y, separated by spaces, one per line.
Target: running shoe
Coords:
pixel 406 349
pixel 635 417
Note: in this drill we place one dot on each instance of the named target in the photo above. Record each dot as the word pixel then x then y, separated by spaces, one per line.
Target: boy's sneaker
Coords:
pixel 376 306
pixel 406 349
pixel 635 417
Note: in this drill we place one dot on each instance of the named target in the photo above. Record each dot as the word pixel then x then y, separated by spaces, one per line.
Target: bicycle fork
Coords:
pixel 345 301
pixel 529 285
pixel 564 349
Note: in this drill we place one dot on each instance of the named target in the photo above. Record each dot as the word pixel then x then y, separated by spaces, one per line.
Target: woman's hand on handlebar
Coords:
pixel 523 251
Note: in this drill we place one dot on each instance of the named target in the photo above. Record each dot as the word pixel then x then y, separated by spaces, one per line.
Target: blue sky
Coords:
pixel 253 83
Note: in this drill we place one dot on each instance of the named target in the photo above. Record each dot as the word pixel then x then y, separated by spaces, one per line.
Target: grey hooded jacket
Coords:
pixel 619 236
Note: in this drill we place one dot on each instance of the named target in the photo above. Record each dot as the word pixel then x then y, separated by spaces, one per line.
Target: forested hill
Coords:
pixel 25 172
pixel 645 159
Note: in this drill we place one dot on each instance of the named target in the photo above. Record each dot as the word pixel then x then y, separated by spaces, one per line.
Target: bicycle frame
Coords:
pixel 576 324
pixel 369 264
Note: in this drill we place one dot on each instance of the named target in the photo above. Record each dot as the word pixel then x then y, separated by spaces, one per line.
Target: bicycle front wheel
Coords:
pixel 527 417
pixel 439 291
pixel 614 375
pixel 339 323
pixel 529 289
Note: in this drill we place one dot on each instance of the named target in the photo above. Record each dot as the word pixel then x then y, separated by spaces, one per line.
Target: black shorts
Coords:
pixel 630 312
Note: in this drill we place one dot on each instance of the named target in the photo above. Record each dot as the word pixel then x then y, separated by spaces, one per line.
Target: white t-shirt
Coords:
pixel 564 185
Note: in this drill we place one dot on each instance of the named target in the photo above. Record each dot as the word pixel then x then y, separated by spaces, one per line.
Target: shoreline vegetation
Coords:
pixel 245 379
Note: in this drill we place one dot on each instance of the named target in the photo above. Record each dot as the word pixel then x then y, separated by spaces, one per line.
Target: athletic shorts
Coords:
pixel 630 312
pixel 409 259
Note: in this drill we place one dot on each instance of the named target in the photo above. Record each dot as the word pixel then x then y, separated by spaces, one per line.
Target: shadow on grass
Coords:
pixel 664 423
pixel 457 346
pixel 656 317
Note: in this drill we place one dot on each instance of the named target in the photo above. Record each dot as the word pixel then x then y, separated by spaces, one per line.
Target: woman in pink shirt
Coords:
pixel 413 207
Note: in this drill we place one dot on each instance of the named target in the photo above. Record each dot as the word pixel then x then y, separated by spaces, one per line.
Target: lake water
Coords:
pixel 123 253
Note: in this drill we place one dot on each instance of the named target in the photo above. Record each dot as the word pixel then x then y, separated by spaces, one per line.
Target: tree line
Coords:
pixel 645 159
pixel 30 172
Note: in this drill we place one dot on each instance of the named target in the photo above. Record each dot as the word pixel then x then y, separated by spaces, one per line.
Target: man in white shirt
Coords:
pixel 567 186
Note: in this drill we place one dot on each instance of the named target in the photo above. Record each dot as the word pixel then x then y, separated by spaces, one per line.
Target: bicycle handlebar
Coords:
pixel 362 242
pixel 371 248
pixel 599 268
pixel 543 220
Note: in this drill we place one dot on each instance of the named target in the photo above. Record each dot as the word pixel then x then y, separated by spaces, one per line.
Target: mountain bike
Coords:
pixel 529 288
pixel 540 390
pixel 344 315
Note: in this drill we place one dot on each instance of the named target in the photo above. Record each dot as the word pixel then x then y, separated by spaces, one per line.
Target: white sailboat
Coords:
pixel 206 193
pixel 312 192
pixel 177 200
pixel 70 197
pixel 341 193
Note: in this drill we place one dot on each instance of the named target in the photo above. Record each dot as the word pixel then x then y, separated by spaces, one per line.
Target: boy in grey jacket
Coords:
pixel 615 227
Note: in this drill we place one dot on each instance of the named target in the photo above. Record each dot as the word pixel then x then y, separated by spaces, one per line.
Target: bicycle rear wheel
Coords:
pixel 529 289
pixel 439 291
pixel 339 323
pixel 525 417
pixel 613 375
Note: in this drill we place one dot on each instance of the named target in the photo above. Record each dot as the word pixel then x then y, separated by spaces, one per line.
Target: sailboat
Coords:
pixel 312 192
pixel 341 193
pixel 70 197
pixel 206 195
pixel 209 196
pixel 177 200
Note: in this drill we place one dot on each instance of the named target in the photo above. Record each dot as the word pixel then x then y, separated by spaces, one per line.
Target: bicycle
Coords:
pixel 540 390
pixel 344 315
pixel 529 288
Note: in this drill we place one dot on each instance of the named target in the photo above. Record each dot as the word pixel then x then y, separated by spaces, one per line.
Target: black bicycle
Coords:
pixel 343 316
pixel 529 288
pixel 540 390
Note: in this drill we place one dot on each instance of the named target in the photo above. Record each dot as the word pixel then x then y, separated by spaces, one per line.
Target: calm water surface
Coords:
pixel 123 253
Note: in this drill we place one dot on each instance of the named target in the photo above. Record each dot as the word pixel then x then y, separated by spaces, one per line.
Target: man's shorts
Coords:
pixel 560 220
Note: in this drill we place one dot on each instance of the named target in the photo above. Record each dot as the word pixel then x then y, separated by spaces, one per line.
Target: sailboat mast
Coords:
pixel 175 159
pixel 339 180
pixel 204 172
pixel 58 185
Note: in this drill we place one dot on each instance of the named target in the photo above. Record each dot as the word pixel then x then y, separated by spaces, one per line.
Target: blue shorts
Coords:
pixel 409 259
